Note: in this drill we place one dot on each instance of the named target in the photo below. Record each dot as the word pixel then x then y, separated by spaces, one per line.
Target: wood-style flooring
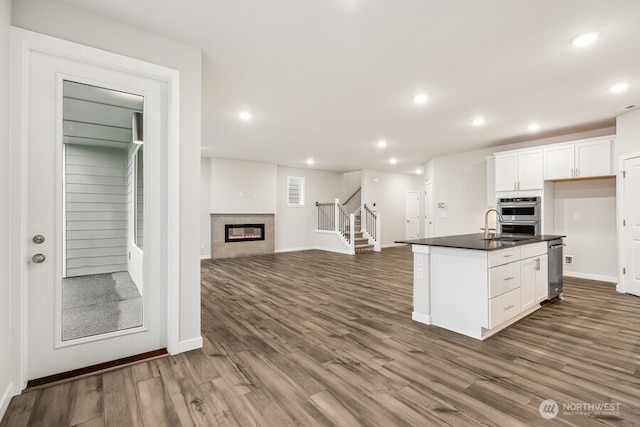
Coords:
pixel 317 339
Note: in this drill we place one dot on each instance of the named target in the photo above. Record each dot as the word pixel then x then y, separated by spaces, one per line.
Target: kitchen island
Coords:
pixel 477 286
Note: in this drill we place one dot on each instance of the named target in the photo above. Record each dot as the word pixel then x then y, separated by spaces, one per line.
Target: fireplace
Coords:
pixel 228 231
pixel 243 232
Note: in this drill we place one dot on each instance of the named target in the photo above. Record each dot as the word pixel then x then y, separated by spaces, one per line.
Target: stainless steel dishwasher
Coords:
pixel 555 268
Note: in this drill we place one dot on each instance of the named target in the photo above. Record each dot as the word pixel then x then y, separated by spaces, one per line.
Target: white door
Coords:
pixel 428 210
pixel 47 352
pixel 412 212
pixel 631 228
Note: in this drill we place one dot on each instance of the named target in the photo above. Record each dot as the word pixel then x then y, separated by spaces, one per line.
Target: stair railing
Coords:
pixel 326 216
pixel 353 202
pixel 332 217
pixel 371 227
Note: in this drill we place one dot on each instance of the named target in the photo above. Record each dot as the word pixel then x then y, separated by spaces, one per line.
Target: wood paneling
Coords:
pixel 316 339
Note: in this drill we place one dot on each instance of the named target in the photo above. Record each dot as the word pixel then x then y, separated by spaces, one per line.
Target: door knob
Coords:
pixel 38 238
pixel 38 258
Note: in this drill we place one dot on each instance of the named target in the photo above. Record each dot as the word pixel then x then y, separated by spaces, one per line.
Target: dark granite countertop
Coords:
pixel 477 242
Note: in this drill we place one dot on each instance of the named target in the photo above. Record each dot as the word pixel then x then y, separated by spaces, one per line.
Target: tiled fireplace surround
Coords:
pixel 222 249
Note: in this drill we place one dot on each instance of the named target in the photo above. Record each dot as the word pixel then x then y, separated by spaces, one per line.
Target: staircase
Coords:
pixel 347 229
pixel 361 242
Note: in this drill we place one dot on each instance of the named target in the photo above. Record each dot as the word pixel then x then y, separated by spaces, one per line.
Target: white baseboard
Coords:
pixel 188 345
pixel 5 399
pixel 338 251
pixel 281 250
pixel 205 256
pixel 422 318
pixel 601 278
pixel 392 245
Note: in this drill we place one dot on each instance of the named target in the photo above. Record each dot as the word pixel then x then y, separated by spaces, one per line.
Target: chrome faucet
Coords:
pixel 486 221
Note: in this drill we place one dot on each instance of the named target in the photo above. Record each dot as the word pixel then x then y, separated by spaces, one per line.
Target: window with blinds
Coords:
pixel 295 191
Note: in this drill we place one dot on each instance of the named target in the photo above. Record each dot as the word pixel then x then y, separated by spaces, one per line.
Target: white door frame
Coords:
pixel 24 44
pixel 620 213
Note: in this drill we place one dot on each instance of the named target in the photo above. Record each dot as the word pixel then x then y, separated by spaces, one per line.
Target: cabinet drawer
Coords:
pixel 504 256
pixel 504 278
pixel 535 249
pixel 504 307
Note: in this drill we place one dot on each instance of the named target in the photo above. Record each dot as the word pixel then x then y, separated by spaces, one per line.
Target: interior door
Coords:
pixel 412 212
pixel 47 352
pixel 631 227
pixel 428 210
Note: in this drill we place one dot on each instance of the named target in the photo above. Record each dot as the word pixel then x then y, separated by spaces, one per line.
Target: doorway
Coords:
pixel 428 209
pixel 630 228
pixel 412 213
pixel 51 227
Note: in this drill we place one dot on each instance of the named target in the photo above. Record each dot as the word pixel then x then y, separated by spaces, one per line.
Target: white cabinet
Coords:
pixel 522 269
pixel 580 159
pixel 533 275
pixel 519 170
pixel 474 292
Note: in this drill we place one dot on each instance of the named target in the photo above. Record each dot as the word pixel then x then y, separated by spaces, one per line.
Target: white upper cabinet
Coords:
pixel 519 170
pixel 580 159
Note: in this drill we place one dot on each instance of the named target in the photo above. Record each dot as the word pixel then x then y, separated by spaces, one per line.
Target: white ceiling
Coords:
pixel 327 79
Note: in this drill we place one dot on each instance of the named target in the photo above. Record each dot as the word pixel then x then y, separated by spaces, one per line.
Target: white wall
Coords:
pixel 585 211
pixel 387 191
pixel 351 181
pixel 205 208
pixel 460 182
pixel 71 24
pixel 6 355
pixel 295 226
pixel 243 187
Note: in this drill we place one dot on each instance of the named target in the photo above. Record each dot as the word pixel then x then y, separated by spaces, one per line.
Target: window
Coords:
pixel 295 191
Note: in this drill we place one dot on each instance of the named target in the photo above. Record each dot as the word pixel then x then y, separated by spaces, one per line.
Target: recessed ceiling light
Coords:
pixel 382 143
pixel 585 39
pixel 245 116
pixel 419 171
pixel 393 160
pixel 619 87
pixel 310 161
pixel 420 99
pixel 478 121
pixel 534 127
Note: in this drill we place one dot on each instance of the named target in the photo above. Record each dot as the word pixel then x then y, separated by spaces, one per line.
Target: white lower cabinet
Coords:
pixel 517 285
pixel 504 307
pixel 477 292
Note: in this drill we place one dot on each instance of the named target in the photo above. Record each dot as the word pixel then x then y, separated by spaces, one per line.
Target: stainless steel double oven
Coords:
pixel 520 216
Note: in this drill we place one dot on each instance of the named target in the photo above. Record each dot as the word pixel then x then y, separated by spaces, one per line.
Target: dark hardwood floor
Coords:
pixel 314 338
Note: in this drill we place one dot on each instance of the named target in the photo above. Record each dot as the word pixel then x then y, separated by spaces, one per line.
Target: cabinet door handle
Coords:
pixel 537 264
pixel 507 256
pixel 509 307
pixel 573 172
pixel 577 172
pixel 508 278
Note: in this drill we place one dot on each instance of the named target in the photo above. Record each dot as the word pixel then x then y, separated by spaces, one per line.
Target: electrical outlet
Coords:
pixel 568 259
